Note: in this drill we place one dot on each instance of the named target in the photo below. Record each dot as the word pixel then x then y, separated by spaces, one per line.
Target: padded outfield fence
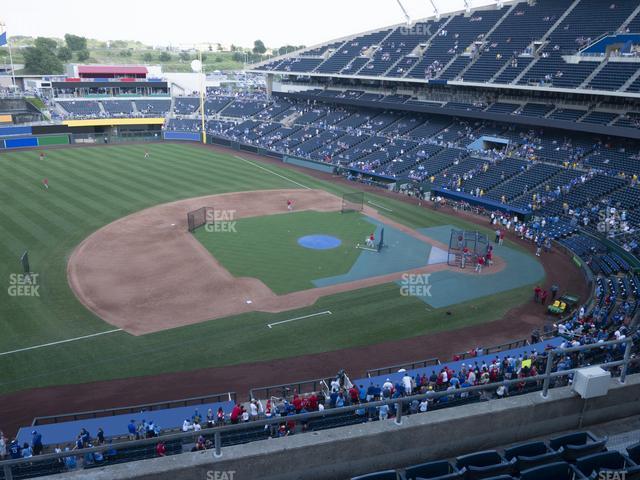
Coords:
pixel 147 407
pixel 242 433
pixel 198 218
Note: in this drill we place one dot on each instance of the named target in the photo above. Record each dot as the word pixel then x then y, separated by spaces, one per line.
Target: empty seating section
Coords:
pixel 613 75
pixel 184 124
pixel 535 109
pixel 568 114
pixel 586 22
pixel 629 120
pixel 609 159
pixel 400 42
pixel 299 64
pixel 573 456
pixel 81 108
pixel 497 45
pixel 583 193
pixel 350 50
pixel 186 105
pixel 523 183
pixel 153 107
pixel 215 104
pixel 244 109
pixel 496 173
pixel 600 118
pixel 501 107
pixel 455 38
pixel 118 108
pixel 513 36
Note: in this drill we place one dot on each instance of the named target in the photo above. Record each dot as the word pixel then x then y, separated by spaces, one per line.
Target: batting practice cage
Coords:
pixel 475 242
pixel 199 217
pixel 352 202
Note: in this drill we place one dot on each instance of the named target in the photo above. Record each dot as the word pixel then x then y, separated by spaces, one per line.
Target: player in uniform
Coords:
pixel 146 154
pixel 289 205
pixel 45 183
pixel 371 241
pixel 41 155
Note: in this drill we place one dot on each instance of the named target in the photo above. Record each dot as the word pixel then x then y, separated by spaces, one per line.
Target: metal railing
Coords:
pixel 374 372
pixel 287 390
pixel 109 412
pixel 543 380
pixel 494 349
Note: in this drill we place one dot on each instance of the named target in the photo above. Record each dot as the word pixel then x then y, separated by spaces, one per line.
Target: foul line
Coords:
pixel 379 206
pixel 271 171
pixel 326 312
pixel 61 341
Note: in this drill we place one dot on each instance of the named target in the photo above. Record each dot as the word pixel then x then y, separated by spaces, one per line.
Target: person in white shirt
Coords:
pixel 424 406
pixel 406 383
pixel 187 425
pixel 253 409
pixel 387 385
pixel 196 427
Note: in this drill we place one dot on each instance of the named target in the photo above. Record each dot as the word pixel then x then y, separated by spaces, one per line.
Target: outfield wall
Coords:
pixel 348 451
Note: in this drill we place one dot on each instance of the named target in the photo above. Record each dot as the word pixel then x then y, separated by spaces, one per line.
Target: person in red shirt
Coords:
pixel 465 254
pixel 236 413
pixel 354 394
pixel 536 293
pixel 161 449
pixel 289 205
pixel 489 257
pixel 41 155
pixel 543 297
pixel 480 264
pixel 313 402
pixel 501 237
pixel 297 403
pixel 45 183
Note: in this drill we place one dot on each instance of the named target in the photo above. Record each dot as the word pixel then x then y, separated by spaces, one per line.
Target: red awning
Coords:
pixel 113 70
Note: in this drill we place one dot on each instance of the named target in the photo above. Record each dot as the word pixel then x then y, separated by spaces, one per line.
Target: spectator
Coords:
pixel 161 449
pixel 132 429
pixel 36 443
pixel 3 446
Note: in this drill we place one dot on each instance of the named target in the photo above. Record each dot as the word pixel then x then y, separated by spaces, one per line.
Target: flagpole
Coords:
pixel 13 70
pixel 13 73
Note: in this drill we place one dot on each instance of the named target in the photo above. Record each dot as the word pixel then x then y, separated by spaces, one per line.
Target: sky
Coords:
pixel 239 22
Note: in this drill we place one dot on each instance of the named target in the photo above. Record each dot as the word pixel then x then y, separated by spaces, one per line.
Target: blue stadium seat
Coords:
pixel 384 475
pixel 553 471
pixel 432 470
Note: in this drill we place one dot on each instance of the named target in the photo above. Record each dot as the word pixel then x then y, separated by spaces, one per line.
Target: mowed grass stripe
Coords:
pixel 74 212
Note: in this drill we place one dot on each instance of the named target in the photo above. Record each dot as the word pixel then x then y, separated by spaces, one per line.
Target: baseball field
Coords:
pixel 110 255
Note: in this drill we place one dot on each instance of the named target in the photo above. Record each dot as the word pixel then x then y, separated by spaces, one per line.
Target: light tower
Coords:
pixel 198 67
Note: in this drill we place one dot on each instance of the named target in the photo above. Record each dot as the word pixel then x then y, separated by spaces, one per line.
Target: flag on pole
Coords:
pixel 3 38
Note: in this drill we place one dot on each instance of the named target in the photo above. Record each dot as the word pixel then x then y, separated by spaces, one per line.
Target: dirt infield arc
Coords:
pixel 145 273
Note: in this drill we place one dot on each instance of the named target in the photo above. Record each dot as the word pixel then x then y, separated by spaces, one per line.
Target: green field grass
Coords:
pixel 245 251
pixel 91 187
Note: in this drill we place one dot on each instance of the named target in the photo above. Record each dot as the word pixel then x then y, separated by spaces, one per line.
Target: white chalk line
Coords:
pixel 272 172
pixel 326 312
pixel 379 206
pixel 61 341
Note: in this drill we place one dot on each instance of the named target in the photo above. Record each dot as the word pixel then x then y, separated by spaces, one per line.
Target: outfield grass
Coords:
pixel 267 248
pixel 90 187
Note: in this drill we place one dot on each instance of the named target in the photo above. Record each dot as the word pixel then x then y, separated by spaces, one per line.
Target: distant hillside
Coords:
pixel 130 52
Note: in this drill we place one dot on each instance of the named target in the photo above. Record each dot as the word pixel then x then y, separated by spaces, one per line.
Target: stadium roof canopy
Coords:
pixel 113 70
